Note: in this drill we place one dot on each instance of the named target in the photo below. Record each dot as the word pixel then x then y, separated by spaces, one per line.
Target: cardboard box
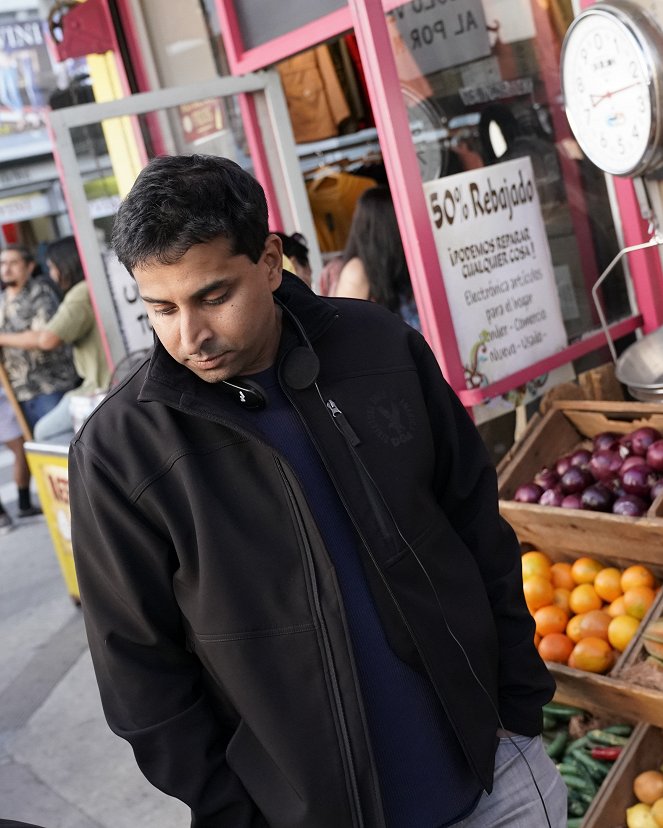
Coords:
pixel 566 426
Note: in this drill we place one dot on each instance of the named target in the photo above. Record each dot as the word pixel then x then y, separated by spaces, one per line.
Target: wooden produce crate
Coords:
pixel 612 691
pixel 566 426
pixel 644 751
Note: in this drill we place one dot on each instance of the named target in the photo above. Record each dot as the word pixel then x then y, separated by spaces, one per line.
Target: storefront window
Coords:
pixel 480 79
pixel 187 47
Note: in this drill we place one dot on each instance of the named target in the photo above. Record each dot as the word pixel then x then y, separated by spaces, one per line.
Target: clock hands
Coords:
pixel 596 99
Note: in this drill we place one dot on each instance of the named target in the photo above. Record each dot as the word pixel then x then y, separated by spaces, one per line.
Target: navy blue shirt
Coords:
pixel 425 779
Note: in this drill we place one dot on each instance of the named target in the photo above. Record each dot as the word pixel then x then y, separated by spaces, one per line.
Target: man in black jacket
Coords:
pixel 303 607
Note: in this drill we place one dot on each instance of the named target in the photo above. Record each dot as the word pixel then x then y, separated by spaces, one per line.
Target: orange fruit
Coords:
pixel 637 601
pixel 560 575
pixel 555 647
pixel 535 563
pixel 592 654
pixel 616 607
pixel 585 569
pixel 621 630
pixel 608 583
pixel 573 627
pixel 538 592
pixel 537 639
pixel 648 786
pixel 595 624
pixel 584 598
pixel 561 599
pixel 550 619
pixel 637 576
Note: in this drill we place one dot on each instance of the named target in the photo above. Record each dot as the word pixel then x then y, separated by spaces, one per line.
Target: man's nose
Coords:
pixel 193 332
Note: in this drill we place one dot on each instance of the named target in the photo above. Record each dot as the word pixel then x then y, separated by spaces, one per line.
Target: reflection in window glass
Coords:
pixel 481 82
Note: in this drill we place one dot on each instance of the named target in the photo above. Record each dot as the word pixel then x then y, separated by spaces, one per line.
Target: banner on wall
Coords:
pixel 497 270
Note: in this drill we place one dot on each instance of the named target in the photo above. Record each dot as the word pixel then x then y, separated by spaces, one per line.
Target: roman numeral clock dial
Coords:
pixel 611 68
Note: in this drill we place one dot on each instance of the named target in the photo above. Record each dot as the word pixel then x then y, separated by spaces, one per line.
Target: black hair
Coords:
pixel 294 247
pixel 178 201
pixel 64 255
pixel 24 251
pixel 375 239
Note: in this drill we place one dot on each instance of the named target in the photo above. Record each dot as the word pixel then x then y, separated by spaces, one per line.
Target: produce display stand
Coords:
pixel 566 426
pixel 615 540
pixel 644 751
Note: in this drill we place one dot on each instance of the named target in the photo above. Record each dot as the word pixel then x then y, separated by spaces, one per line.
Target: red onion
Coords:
pixel 655 455
pixel 598 498
pixel 632 460
pixel 575 480
pixel 580 457
pixel 638 441
pixel 546 478
pixel 571 501
pixel 615 486
pixel 606 440
pixel 605 463
pixel 638 480
pixel 528 493
pixel 563 464
pixel 630 505
pixel 551 497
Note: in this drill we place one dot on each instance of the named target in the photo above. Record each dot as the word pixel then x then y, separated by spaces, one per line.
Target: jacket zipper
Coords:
pixel 343 425
pixel 329 658
pixel 341 422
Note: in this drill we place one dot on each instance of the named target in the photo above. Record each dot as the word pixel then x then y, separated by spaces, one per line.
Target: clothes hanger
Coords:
pixel 327 173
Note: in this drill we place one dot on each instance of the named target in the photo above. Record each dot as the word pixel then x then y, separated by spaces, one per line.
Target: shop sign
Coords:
pixel 497 269
pixel 443 33
pixel 471 96
pixel 201 120
pixel 131 314
pixel 24 208
pixel 22 174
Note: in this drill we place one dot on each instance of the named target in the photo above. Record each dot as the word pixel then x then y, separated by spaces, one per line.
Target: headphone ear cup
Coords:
pixel 301 368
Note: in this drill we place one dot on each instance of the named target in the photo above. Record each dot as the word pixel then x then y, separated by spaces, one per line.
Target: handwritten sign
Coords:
pixel 497 269
pixel 443 33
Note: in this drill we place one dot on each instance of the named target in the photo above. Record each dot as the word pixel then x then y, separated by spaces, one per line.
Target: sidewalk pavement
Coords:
pixel 60 765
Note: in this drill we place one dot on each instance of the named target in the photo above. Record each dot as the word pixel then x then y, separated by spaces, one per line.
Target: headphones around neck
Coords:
pixel 300 370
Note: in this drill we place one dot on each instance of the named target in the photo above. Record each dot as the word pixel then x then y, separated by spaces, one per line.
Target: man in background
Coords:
pixel 39 379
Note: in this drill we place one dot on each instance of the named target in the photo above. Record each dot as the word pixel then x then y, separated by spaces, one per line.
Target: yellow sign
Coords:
pixel 48 465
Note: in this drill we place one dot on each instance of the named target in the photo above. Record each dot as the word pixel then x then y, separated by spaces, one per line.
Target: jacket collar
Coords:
pixel 168 380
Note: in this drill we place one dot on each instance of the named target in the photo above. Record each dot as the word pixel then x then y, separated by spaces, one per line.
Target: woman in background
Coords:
pixel 295 252
pixel 374 265
pixel 73 323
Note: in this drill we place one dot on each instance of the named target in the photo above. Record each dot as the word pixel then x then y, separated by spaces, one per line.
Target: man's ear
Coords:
pixel 273 257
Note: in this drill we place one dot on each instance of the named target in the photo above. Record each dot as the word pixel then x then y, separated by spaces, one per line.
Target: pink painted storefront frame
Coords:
pixel 367 19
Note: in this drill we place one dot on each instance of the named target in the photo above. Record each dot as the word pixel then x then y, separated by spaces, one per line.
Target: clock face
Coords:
pixel 608 91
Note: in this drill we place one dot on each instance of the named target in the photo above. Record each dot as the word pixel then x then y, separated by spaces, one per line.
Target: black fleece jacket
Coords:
pixel 213 614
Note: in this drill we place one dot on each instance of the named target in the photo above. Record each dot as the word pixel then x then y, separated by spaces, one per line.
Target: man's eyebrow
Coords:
pixel 203 291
